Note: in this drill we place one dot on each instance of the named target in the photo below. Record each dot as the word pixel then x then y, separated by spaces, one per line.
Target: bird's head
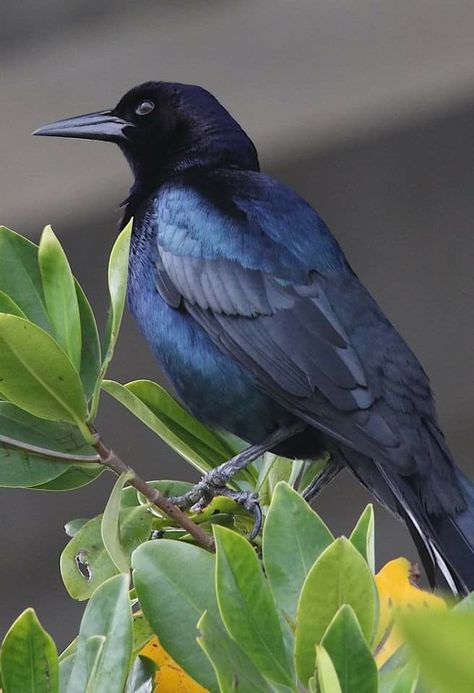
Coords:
pixel 163 128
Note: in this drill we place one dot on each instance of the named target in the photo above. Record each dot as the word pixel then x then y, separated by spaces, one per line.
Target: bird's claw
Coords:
pixel 199 497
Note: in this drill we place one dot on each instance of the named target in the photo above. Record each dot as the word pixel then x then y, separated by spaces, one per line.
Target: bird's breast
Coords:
pixel 210 384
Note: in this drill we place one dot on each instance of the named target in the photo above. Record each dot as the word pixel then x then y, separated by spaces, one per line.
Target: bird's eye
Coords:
pixel 144 107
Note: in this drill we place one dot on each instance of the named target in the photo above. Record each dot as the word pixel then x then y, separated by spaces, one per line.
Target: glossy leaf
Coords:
pixel 85 563
pixel 234 670
pixel 110 526
pixel 141 678
pixel 90 351
pixel 247 608
pixel 65 669
pixel 174 609
pixel 21 468
pixel 167 487
pixel 442 644
pixel 142 632
pixel 167 418
pixel 400 680
pixel 36 375
pixel 20 276
pixel 293 538
pixel 466 604
pixel 117 276
pixel 8 305
pixel 73 526
pixel 348 650
pixel 28 657
pixel 339 576
pixel 362 536
pixel 107 615
pixel 76 476
pixel 93 648
pixel 60 295
pixel 326 672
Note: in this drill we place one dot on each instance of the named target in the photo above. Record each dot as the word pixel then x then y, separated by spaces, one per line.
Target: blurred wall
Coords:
pixel 365 108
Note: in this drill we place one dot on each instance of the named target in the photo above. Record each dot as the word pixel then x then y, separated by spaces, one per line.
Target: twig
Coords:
pixel 110 459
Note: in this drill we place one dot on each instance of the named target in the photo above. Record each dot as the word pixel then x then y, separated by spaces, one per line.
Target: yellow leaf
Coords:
pixel 170 678
pixel 396 583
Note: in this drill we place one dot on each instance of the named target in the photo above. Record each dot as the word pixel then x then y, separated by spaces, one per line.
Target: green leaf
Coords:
pixel 339 576
pixel 466 604
pixel 167 488
pixel 167 418
pixel 60 296
pixel 118 277
pixel 73 526
pixel 402 680
pixel 442 643
pixel 293 538
pixel 90 354
pixel 85 563
pixel 142 632
pixel 362 536
pixel 327 676
pixel 20 276
pixel 234 670
pixel 36 374
pixel 94 646
pixel 69 650
pixel 142 676
pixel 185 575
pixel 28 657
pixel 22 468
pixel 110 526
pixel 310 470
pixel 273 469
pixel 76 476
pixel 8 305
pixel 107 615
pixel 247 608
pixel 65 670
pixel 352 659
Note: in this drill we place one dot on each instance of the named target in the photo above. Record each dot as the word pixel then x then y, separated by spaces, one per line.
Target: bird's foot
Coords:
pixel 214 484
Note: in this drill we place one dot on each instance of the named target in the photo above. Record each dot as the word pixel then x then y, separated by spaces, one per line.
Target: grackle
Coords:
pixel 257 318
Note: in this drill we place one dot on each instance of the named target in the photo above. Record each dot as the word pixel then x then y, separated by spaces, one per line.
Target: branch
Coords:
pixel 110 459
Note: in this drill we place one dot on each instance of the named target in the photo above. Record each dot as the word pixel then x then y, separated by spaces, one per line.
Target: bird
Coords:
pixel 264 330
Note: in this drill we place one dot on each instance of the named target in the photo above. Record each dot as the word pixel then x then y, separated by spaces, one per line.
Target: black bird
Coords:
pixel 254 313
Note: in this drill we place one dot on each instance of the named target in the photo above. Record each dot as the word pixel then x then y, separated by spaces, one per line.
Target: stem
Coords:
pixel 110 459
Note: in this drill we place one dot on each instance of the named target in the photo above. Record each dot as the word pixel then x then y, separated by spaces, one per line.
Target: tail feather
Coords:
pixel 445 541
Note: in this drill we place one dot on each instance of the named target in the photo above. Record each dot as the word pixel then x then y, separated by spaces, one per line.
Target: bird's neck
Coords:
pixel 208 149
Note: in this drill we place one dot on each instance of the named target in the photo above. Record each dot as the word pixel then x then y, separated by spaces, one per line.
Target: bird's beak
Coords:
pixel 102 125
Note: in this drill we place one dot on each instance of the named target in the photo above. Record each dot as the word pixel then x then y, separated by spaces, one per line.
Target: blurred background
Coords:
pixel 366 108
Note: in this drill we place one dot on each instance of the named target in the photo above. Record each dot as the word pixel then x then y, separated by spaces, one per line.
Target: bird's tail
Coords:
pixel 445 542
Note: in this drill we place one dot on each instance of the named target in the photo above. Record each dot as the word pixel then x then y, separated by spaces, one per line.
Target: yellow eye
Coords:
pixel 144 107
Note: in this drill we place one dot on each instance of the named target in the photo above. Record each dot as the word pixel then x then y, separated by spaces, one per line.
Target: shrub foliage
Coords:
pixel 294 610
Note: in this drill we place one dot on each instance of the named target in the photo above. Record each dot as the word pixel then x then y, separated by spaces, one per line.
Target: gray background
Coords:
pixel 365 108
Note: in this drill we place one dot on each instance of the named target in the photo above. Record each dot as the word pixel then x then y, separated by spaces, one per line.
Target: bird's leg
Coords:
pixel 323 478
pixel 214 483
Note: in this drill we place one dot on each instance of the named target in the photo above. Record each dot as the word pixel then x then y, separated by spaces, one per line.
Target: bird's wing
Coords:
pixel 266 280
